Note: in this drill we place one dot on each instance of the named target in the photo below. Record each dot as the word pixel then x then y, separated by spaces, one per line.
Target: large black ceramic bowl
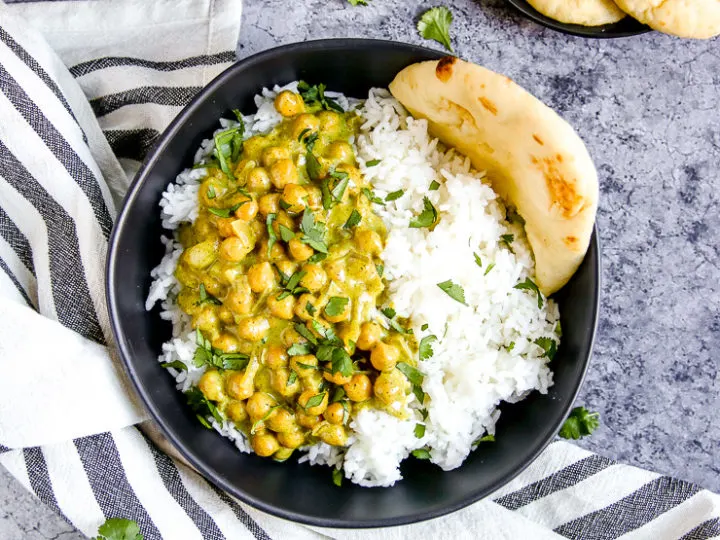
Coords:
pixel 624 28
pixel 300 492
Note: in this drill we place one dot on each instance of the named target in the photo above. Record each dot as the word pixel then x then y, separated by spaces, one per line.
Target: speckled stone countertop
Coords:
pixel 648 108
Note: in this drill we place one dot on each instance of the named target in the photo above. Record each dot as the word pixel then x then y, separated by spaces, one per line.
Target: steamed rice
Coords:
pixel 485 351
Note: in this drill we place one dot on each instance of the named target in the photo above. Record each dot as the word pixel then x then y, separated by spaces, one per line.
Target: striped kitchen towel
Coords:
pixel 69 139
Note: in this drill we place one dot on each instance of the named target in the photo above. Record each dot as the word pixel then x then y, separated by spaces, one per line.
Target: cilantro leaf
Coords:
pixel 413 374
pixel 490 267
pixel 336 306
pixel 485 438
pixel 453 290
pixel 372 197
pixel 202 407
pixel 425 349
pixel 548 345
pixel 286 234
pixel 427 217
pixel 380 269
pixel 506 240
pixel 579 423
pixel 510 346
pixel 206 297
pixel 316 94
pixel 419 431
pixel 529 285
pixel 314 401
pixel 337 474
pixel 353 220
pixel 313 232
pixel 341 362
pixel 421 453
pixel 175 364
pixel 389 312
pixel 434 186
pixel 435 24
pixel 211 192
pixel 395 195
pixel 119 529
pixel 272 237
pixel 372 162
pixel 478 260
pixel 299 349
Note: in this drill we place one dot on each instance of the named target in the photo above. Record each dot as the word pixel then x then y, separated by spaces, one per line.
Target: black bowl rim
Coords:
pixel 113 254
pixel 591 32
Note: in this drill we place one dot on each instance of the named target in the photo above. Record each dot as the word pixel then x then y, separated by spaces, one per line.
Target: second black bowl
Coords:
pixel 625 28
pixel 290 490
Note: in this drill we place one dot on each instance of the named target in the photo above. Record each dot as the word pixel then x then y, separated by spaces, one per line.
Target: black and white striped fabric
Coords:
pixel 69 138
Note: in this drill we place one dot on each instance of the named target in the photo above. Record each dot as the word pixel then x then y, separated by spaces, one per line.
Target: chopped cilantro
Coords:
pixel 119 529
pixel 316 94
pixel 393 196
pixel 453 290
pixel 314 401
pixel 353 220
pixel 427 217
pixel 299 349
pixel 434 186
pixel 490 267
pixel 211 192
pixel 372 162
pixel 425 349
pixel 372 197
pixel 529 285
pixel 313 232
pixel 175 364
pixel 485 438
pixel 419 431
pixel 548 345
pixel 286 234
pixel 272 237
pixel 506 240
pixel 336 305
pixel 380 269
pixel 337 474
pixel 478 260
pixel 421 453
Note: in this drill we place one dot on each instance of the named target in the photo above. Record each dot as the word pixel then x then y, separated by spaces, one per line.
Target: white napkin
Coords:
pixel 66 413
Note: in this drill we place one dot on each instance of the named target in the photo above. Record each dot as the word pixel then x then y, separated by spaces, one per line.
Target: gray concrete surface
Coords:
pixel 647 108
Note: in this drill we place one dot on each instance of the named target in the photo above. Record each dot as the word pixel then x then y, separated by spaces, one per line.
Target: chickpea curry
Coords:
pixel 282 277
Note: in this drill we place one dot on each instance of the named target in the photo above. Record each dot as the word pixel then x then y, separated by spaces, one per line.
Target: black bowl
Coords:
pixel 624 28
pixel 289 490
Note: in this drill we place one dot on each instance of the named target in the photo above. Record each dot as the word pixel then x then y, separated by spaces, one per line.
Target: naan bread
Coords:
pixel 698 19
pixel 534 158
pixel 584 12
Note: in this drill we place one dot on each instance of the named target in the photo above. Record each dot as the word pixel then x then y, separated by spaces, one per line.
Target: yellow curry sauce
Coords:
pixel 282 278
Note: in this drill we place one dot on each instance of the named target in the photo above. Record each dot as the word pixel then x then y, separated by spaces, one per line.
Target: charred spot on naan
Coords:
pixel 538 139
pixel 444 69
pixel 561 189
pixel 489 105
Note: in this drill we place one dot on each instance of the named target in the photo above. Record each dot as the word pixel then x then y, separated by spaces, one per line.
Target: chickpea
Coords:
pixel 283 172
pixel 279 380
pixel 226 315
pixel 333 434
pixel 286 266
pixel 289 103
pixel 243 231
pixel 301 306
pixel 359 388
pixel 369 241
pixel 343 315
pixel 336 378
pixel 306 420
pixel 261 277
pixel 370 334
pixel 243 167
pixel 275 357
pixel 302 370
pixel 282 218
pixel 299 250
pixel 335 269
pixel 240 385
pixel 226 342
pixel 253 328
pixel 234 249
pixel 329 121
pixel 269 204
pixel 273 154
pixel 201 255
pixel 241 299
pixel 294 195
pixel 390 387
pixel 282 454
pixel 259 405
pixel 384 357
pixel 291 439
pixel 315 277
pixel 236 411
pixel 211 385
pixel 224 226
pixel 318 409
pixel 258 228
pixel 207 321
pixel 304 122
pixel 210 187
pixel 247 211
pixel 282 420
pixel 258 180
pixel 340 151
pixel 212 285
pixel 314 197
pixel 264 444
pixel 276 251
pixel 335 413
pixel 282 309
pixel 237 386
pixel 313 382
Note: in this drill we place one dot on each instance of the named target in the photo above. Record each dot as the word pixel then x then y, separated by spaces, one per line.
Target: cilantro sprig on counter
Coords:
pixel 119 529
pixel 435 24
pixel 580 423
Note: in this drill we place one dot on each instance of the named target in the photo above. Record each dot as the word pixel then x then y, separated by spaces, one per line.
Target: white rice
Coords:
pixel 471 371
